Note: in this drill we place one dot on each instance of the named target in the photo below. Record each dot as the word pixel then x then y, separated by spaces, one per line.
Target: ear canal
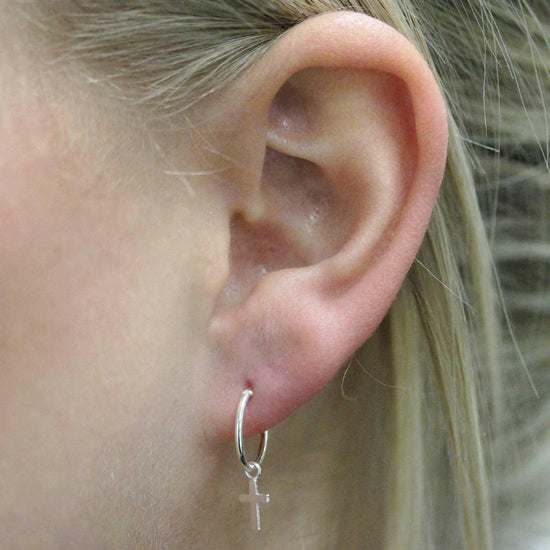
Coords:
pixel 314 191
pixel 256 249
pixel 297 225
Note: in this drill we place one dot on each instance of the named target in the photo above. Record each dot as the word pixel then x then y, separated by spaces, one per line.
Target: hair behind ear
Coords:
pixel 434 356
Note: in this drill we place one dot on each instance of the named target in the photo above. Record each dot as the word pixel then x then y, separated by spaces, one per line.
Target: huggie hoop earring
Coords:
pixel 239 442
pixel 253 469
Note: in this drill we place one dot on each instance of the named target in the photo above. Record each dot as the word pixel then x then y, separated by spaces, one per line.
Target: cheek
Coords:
pixel 99 327
pixel 95 312
pixel 54 241
pixel 109 270
pixel 65 263
pixel 108 276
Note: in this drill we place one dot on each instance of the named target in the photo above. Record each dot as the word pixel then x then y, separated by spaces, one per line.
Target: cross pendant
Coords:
pixel 255 499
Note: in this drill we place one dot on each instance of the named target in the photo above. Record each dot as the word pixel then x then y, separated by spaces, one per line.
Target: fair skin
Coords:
pixel 126 335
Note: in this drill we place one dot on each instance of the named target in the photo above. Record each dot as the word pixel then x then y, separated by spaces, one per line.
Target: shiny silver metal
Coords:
pixel 254 498
pixel 239 442
pixel 252 469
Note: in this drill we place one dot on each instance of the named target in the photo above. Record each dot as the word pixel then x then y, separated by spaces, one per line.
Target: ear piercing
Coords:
pixel 252 469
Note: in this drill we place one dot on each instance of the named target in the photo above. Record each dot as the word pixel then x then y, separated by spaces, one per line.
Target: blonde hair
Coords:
pixel 456 445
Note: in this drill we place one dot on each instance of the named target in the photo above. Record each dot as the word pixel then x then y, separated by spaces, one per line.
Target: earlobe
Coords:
pixel 352 154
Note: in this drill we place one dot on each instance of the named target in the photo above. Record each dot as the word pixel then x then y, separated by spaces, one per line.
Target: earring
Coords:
pixel 253 469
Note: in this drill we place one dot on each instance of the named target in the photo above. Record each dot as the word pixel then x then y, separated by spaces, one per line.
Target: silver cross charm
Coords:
pixel 255 499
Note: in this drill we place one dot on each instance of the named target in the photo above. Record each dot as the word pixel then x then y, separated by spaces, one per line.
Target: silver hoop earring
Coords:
pixel 252 469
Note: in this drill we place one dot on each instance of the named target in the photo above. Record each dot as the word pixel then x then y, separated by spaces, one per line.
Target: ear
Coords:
pixel 339 138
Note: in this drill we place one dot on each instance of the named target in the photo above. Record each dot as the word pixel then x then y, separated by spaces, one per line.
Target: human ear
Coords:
pixel 339 133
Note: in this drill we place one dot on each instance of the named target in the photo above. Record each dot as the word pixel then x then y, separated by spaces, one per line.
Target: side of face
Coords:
pixel 108 261
pixel 149 273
